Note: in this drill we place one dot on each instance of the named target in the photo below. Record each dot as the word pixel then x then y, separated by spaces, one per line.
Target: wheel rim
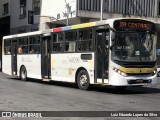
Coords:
pixel 83 80
pixel 23 74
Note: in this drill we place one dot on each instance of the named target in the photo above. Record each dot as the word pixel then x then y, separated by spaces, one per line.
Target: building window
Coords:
pixel 36 7
pixel 22 9
pixel 5 9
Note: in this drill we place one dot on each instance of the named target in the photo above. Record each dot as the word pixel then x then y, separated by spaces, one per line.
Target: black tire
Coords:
pixel 158 74
pixel 23 74
pixel 83 80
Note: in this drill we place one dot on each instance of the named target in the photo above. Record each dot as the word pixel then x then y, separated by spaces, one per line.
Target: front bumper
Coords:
pixel 119 80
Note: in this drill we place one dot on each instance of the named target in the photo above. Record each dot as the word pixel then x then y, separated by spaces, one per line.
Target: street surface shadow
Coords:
pixel 128 90
pixel 57 83
pixel 98 88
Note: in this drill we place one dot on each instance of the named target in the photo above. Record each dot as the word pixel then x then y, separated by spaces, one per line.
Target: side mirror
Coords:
pixel 113 36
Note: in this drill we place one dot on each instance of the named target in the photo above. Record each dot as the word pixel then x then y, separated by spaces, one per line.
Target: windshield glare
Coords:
pixel 134 46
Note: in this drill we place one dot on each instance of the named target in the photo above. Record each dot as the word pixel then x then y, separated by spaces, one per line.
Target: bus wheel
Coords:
pixel 23 73
pixel 158 74
pixel 83 81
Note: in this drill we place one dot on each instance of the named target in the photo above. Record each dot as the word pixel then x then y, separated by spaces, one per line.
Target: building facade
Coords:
pixel 4 17
pixel 19 15
pixel 50 13
pixel 4 21
pixel 44 12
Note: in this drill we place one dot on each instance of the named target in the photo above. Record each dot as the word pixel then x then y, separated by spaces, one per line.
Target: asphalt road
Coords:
pixel 32 95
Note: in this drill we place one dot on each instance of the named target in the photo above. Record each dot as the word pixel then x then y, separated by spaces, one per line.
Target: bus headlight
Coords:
pixel 154 72
pixel 119 72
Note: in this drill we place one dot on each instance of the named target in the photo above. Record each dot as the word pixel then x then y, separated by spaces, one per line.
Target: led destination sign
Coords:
pixel 134 24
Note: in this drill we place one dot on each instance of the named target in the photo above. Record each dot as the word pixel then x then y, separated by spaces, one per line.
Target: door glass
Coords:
pixel 14 58
pixel 102 54
pixel 46 58
pixel 99 55
pixel 46 47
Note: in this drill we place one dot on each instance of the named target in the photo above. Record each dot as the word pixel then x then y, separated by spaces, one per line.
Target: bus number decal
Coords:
pixel 74 60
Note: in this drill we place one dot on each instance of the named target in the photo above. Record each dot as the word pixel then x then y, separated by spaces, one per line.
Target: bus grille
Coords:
pixel 139 81
pixel 139 74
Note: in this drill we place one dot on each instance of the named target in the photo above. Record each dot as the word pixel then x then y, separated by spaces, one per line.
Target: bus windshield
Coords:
pixel 133 46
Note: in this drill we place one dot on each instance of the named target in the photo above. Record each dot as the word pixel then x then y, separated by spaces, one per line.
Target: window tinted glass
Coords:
pixel 7 43
pixel 58 42
pixel 70 41
pixel 35 40
pixel 23 41
pixel 85 42
pixel 7 47
pixel 34 45
pixel 71 36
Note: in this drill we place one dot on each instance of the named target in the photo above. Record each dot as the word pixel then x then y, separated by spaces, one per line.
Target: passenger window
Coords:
pixel 34 44
pixel 58 42
pixel 70 41
pixel 23 45
pixel 7 47
pixel 35 40
pixel 34 49
pixel 85 42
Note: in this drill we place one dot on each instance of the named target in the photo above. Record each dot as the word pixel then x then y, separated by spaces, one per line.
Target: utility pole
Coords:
pixel 101 17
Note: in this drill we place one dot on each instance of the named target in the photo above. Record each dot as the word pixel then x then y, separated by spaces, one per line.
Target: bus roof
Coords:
pixel 27 34
pixel 90 24
pixel 72 27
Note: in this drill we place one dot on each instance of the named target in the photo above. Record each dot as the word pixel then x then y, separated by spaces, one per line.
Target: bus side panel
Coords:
pixel 65 66
pixel 61 69
pixel 87 64
pixel 6 64
pixel 32 62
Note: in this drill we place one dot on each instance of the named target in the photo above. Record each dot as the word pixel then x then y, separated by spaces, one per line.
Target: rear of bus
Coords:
pixel 6 56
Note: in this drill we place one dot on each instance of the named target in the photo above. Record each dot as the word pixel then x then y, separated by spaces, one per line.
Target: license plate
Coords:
pixel 139 81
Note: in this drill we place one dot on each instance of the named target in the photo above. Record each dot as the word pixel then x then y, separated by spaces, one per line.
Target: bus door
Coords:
pixel 14 57
pixel 102 54
pixel 45 58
